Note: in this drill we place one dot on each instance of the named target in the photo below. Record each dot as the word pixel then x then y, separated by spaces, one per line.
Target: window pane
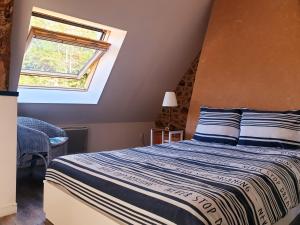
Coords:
pixel 36 81
pixel 64 28
pixel 57 58
pixel 53 82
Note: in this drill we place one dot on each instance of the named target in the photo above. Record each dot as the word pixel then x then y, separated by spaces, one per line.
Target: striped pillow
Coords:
pixel 218 126
pixel 270 129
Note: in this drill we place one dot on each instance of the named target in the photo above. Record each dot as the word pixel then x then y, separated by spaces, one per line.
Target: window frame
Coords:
pixel 92 67
pixel 104 33
pixel 100 46
pixel 92 95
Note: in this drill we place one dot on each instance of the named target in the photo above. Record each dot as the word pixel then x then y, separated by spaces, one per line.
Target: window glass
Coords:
pixel 58 82
pixel 53 58
pixel 64 57
pixel 64 28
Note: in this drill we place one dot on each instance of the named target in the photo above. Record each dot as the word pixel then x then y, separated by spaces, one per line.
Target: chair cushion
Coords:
pixel 56 141
pixel 218 126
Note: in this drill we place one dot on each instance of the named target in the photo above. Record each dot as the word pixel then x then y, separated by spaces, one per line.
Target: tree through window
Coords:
pixel 61 53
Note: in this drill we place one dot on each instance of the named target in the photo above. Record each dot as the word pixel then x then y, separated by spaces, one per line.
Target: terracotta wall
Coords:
pixel 5 30
pixel 250 58
pixel 183 92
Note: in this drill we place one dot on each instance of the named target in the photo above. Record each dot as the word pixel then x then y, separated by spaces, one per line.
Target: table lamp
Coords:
pixel 170 102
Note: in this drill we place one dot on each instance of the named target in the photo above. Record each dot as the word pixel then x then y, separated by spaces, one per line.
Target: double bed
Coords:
pixel 186 183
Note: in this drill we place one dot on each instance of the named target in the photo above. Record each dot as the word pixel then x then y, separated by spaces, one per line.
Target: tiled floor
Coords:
pixel 29 198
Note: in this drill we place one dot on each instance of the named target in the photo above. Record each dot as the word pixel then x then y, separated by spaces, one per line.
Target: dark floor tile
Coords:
pixel 29 199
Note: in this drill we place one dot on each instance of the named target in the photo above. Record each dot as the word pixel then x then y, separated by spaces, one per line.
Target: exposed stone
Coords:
pixel 181 83
pixel 183 92
pixel 184 110
pixel 6 7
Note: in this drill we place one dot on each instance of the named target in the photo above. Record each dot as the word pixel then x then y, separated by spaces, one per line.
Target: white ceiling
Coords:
pixel 163 38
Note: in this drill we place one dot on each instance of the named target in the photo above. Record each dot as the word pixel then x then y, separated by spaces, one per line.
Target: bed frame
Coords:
pixel 62 208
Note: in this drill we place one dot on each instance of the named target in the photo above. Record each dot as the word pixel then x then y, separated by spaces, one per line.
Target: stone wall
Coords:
pixel 183 92
pixel 6 7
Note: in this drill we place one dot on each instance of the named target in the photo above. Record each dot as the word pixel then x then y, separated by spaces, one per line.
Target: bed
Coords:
pixel 188 182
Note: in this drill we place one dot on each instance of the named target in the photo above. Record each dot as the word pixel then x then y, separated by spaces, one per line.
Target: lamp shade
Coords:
pixel 170 100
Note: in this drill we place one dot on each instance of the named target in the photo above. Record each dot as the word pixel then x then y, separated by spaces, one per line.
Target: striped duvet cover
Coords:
pixel 184 183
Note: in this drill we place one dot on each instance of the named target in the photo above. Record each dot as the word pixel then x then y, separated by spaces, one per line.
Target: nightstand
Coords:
pixel 159 136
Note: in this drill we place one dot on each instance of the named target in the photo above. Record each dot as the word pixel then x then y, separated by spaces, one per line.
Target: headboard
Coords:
pixel 250 58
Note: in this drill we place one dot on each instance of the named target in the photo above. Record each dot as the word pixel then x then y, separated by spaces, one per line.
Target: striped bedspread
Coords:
pixel 184 183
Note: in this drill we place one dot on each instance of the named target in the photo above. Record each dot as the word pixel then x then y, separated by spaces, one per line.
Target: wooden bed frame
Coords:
pixel 63 208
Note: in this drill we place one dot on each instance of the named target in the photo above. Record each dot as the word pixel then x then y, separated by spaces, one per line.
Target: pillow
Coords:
pixel 56 141
pixel 218 126
pixel 270 129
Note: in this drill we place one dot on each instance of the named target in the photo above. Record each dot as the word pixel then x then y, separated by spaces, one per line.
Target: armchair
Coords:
pixel 40 139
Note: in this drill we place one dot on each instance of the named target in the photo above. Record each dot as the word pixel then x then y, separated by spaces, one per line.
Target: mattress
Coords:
pixel 184 183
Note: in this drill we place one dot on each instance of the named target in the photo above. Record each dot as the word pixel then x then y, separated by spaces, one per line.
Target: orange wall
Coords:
pixel 250 58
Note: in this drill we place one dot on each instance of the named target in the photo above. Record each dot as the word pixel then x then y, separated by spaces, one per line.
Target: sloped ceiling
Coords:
pixel 163 38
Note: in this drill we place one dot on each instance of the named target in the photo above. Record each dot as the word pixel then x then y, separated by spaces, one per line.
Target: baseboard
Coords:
pixel 8 209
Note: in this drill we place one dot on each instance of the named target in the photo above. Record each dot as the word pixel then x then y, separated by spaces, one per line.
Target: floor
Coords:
pixel 30 200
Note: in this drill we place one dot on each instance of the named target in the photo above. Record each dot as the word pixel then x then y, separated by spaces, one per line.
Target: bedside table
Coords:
pixel 160 136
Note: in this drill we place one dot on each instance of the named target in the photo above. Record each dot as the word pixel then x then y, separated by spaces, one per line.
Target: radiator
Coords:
pixel 78 139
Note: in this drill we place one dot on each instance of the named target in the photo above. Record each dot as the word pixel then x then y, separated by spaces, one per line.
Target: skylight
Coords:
pixel 61 54
pixel 57 59
pixel 67 60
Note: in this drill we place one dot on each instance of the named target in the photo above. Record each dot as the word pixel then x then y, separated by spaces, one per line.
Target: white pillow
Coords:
pixel 270 129
pixel 218 126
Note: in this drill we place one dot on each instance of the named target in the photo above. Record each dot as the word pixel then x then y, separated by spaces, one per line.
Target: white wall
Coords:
pixel 163 38
pixel 8 146
pixel 110 136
